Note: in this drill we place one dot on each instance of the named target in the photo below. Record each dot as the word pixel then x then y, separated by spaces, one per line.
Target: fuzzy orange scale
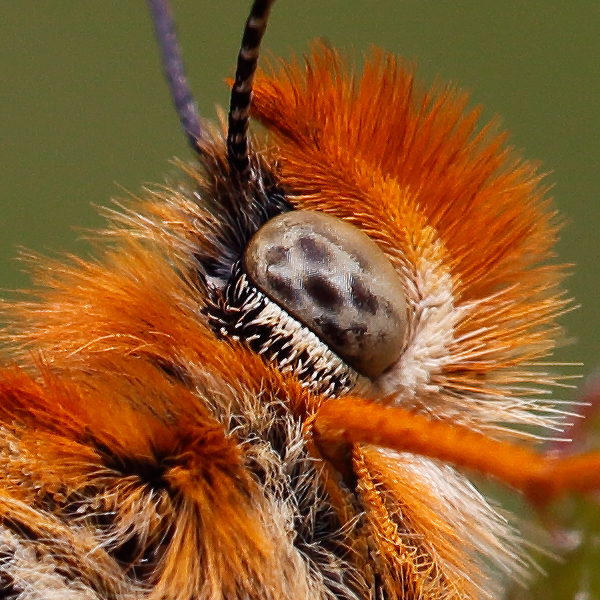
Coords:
pixel 129 425
pixel 409 168
pixel 341 141
pixel 102 333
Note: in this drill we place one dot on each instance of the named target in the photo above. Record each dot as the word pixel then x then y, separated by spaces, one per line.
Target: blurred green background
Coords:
pixel 84 110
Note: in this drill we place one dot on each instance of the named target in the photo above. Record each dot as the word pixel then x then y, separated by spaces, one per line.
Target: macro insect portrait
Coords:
pixel 278 371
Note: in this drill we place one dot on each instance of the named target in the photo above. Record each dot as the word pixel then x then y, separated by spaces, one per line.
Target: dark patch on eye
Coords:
pixel 362 296
pixel 358 330
pixel 332 331
pixel 363 262
pixel 314 251
pixel 388 309
pixel 277 255
pixel 282 286
pixel 324 293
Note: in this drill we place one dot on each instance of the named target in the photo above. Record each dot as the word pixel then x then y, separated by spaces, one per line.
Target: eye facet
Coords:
pixel 335 280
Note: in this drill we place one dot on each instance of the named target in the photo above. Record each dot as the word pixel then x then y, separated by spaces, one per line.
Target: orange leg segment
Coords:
pixel 339 423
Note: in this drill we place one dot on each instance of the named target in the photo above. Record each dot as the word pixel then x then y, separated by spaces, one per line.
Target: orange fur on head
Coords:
pixel 465 222
pixel 153 450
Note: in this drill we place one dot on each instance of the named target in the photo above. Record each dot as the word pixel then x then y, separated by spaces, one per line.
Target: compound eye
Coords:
pixel 334 279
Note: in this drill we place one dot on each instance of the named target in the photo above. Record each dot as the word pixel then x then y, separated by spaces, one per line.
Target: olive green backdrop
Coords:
pixel 84 111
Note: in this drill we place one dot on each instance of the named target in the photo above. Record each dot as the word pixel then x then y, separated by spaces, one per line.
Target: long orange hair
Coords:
pixel 176 424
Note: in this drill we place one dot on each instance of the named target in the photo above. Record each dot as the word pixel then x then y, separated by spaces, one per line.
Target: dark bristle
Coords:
pixel 238 312
pixel 239 215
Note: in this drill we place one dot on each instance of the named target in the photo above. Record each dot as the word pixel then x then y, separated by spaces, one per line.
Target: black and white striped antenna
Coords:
pixel 241 93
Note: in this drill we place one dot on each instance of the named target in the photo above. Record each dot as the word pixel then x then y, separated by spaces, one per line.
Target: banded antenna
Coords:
pixel 172 61
pixel 241 92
